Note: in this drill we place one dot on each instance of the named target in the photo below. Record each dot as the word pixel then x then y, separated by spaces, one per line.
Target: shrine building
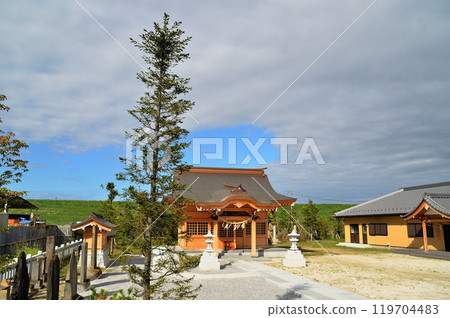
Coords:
pixel 232 203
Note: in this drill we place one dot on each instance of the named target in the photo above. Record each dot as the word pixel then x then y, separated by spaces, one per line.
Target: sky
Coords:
pixel 367 82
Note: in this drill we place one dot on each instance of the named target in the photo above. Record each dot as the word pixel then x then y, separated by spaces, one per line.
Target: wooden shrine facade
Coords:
pixel 231 203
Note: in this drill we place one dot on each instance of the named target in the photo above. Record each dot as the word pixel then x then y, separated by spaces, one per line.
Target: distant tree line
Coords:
pixel 310 224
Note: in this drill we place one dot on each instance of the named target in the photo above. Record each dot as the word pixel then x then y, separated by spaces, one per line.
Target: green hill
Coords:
pixel 67 211
pixel 62 211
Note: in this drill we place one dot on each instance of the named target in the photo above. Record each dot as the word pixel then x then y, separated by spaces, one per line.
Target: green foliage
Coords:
pixel 121 295
pixel 150 219
pixel 27 249
pixel 103 295
pixel 4 230
pixel 95 296
pixel 5 259
pixel 325 223
pixel 285 217
pixel 12 166
pixel 190 261
pixel 112 192
pixel 336 225
pixel 310 219
pixel 165 276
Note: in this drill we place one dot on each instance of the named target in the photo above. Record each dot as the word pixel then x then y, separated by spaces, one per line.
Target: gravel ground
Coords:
pixel 237 280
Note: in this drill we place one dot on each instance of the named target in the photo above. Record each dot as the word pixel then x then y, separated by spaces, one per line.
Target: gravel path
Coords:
pixel 237 280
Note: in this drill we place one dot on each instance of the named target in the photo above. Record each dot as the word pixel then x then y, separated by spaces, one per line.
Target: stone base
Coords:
pixel 209 262
pixel 38 284
pixel 83 286
pixel 102 258
pixel 294 259
pixel 93 273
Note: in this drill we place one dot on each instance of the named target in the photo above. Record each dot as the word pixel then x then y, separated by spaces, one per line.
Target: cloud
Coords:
pixel 376 102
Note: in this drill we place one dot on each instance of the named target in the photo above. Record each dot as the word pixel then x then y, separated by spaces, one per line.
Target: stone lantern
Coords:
pixel 209 260
pixel 294 257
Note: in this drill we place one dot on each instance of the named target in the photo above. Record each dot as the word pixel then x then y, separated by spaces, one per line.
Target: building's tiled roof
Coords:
pixel 439 201
pixel 94 217
pixel 214 185
pixel 400 202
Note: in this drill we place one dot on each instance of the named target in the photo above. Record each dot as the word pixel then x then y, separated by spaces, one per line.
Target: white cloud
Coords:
pixel 375 103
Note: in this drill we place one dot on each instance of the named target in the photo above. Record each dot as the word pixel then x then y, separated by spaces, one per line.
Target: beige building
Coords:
pixel 415 217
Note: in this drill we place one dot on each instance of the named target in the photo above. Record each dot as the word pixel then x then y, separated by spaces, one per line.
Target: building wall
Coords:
pixel 101 238
pixel 198 241
pixel 397 233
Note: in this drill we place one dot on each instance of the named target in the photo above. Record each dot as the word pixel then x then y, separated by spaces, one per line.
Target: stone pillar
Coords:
pixel 21 279
pixel 53 279
pixel 70 289
pixel 49 253
pixel 35 278
pixel 216 237
pixel 274 234
pixel 83 262
pixel 253 238
pixel 84 281
pixel 94 247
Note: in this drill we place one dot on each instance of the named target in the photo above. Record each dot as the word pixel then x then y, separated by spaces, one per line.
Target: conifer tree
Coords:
pixel 158 146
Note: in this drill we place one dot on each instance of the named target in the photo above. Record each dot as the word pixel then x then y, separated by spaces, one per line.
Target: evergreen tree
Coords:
pixel 158 149
pixel 310 219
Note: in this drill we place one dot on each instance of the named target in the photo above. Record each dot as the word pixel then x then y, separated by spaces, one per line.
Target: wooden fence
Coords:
pixel 35 236
pixel 63 251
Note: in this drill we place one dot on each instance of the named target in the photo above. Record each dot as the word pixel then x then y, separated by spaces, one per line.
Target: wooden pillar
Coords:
pixel 425 237
pixel 244 234
pixel 254 238
pixel 216 237
pixel 94 247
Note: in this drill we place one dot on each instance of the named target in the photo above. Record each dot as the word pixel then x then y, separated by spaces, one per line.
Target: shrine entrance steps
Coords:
pixel 267 252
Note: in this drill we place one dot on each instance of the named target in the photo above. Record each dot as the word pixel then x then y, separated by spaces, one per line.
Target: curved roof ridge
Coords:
pixel 430 185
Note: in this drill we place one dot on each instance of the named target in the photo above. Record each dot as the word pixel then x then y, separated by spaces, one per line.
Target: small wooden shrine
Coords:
pixel 100 233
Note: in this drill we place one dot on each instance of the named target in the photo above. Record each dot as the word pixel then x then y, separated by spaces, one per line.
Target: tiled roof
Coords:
pixel 400 202
pixel 217 186
pixel 94 217
pixel 439 201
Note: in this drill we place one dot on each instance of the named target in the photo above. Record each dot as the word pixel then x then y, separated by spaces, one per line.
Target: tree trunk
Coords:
pixel 148 261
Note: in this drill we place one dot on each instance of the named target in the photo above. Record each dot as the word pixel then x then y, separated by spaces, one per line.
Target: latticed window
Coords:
pixel 260 228
pixel 230 231
pixel 197 228
pixel 248 229
pixel 222 232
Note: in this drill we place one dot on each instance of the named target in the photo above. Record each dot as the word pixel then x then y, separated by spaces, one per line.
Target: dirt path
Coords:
pixel 379 275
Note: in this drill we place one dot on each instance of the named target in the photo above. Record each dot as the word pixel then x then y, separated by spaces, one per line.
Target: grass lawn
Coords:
pixel 62 211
